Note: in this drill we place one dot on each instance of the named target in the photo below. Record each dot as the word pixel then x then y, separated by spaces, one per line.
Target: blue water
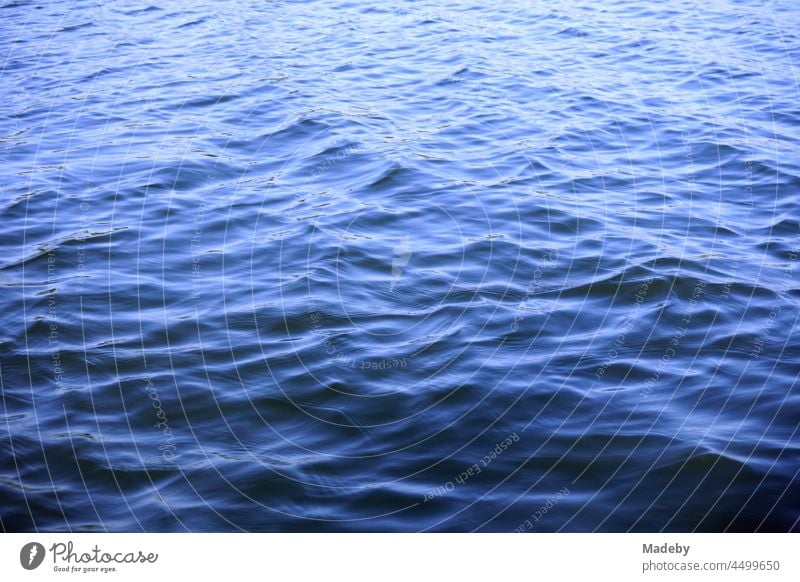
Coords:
pixel 395 266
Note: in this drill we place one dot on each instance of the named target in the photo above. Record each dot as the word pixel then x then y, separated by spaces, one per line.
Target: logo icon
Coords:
pixel 31 555
pixel 402 255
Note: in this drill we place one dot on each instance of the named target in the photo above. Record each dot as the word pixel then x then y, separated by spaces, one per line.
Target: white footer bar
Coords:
pixel 400 557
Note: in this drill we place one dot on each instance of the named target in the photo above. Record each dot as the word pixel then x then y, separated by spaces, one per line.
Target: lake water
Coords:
pixel 394 266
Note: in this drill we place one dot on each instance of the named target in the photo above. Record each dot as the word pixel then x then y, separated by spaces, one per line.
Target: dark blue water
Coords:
pixel 380 266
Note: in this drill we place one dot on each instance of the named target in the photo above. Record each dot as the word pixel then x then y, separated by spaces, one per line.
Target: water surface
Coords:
pixel 415 266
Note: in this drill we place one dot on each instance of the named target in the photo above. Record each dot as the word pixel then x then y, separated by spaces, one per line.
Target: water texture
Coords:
pixel 399 266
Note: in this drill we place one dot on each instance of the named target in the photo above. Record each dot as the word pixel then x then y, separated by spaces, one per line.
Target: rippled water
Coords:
pixel 385 266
